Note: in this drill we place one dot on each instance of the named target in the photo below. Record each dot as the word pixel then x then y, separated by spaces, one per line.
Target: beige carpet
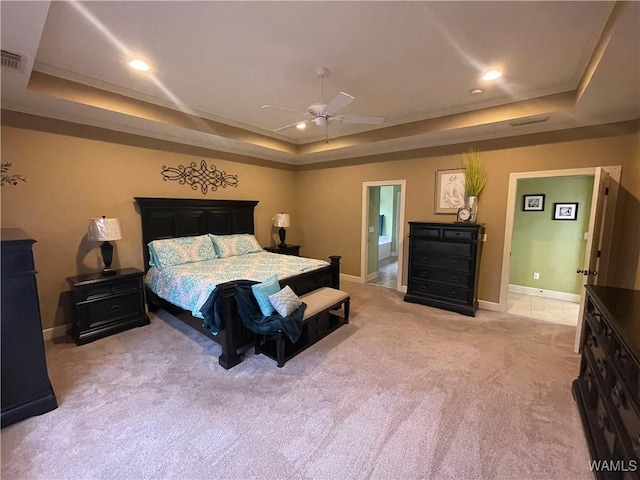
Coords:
pixel 403 391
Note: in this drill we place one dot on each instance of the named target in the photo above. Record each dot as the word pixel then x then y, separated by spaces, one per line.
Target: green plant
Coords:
pixel 475 173
pixel 9 179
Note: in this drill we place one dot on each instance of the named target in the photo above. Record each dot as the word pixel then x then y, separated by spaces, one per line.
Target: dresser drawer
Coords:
pixel 627 415
pixel 425 231
pixel 111 309
pixel 457 264
pixel 106 289
pixel 452 278
pixel 596 354
pixel 433 290
pixel 442 248
pixel 451 234
pixel 16 260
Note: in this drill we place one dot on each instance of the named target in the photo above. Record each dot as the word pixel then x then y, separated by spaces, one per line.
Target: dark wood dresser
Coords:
pixel 607 389
pixel 26 390
pixel 107 304
pixel 444 261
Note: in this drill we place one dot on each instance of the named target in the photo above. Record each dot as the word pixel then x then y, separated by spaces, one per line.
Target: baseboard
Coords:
pixel 373 276
pixel 403 288
pixel 55 332
pixel 491 306
pixel 539 292
pixel 350 278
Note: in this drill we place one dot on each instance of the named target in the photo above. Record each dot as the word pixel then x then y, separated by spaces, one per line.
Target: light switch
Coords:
pixel 371 229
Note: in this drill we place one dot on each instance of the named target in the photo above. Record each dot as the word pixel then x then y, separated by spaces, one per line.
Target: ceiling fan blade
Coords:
pixel 361 119
pixel 284 109
pixel 291 125
pixel 338 103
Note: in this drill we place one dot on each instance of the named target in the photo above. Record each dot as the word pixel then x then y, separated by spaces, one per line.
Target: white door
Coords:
pixel 595 265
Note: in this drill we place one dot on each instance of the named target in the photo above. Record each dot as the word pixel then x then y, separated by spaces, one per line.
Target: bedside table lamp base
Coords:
pixel 107 257
pixel 282 233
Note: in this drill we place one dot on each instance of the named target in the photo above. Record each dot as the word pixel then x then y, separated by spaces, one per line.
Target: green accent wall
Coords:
pixel 553 248
pixel 386 209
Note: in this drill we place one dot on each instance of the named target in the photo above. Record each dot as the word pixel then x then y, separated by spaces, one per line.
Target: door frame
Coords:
pixel 615 173
pixel 364 246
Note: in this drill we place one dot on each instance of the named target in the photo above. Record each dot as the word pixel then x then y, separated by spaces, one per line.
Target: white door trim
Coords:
pixel 365 223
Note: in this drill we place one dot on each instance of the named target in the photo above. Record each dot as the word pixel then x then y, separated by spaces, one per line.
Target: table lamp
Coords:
pixel 105 230
pixel 283 221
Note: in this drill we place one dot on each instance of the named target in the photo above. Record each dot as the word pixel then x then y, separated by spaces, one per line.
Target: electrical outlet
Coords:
pixel 536 276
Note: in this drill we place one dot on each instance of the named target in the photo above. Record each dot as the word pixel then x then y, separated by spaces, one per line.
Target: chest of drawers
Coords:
pixel 26 390
pixel 443 265
pixel 607 389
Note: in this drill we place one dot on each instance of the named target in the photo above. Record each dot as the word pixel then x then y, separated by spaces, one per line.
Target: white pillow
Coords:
pixel 285 301
pixel 237 244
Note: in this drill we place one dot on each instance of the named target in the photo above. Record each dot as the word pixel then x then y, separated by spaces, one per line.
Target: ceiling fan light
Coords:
pixel 320 121
pixel 301 126
pixel 139 65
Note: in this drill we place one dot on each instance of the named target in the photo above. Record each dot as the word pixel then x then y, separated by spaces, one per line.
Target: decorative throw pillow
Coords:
pixel 176 251
pixel 285 301
pixel 262 291
pixel 238 244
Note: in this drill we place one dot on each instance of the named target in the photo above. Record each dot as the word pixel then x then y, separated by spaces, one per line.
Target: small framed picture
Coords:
pixel 449 190
pixel 565 211
pixel 533 203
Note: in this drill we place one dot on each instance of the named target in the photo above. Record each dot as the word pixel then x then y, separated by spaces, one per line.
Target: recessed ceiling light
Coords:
pixel 139 65
pixel 491 75
pixel 475 91
pixel 301 126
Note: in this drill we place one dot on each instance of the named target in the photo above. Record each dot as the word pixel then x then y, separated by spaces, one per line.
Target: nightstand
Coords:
pixel 288 250
pixel 104 305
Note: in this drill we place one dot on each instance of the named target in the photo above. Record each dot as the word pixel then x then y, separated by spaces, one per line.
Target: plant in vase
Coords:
pixel 475 178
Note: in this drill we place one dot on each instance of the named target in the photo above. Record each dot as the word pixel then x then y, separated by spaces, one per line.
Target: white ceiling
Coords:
pixel 404 61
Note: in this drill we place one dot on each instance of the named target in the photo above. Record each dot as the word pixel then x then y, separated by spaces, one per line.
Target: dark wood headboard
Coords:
pixel 183 217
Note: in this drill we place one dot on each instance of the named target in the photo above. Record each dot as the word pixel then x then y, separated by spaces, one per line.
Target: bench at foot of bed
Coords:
pixel 320 319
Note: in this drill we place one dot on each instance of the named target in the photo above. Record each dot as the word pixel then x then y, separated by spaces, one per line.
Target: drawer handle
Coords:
pixel 603 422
pixel 423 288
pixel 591 340
pixel 425 259
pixel 456 263
pixel 602 363
pixel 453 294
pixel 617 396
pixel 608 333
pixel 424 274
pixel 621 355
pixel 115 308
pixel 453 278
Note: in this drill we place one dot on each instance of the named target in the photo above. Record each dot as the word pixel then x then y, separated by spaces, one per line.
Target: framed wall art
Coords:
pixel 449 190
pixel 533 203
pixel 565 211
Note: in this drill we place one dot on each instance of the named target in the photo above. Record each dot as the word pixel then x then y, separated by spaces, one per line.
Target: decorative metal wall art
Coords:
pixel 6 179
pixel 204 177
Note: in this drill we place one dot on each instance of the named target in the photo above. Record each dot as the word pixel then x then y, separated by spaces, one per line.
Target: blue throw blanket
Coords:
pixel 251 315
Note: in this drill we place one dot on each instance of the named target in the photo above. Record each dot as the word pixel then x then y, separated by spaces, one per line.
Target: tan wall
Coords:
pixel 330 201
pixel 70 180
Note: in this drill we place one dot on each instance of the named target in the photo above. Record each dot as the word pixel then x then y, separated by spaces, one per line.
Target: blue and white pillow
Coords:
pixel 179 250
pixel 238 244
pixel 285 301
pixel 262 291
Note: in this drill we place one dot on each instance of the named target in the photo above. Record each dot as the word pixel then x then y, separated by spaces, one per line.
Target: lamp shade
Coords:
pixel 104 229
pixel 281 220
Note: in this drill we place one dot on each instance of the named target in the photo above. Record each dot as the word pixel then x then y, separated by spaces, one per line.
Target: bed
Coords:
pixel 163 218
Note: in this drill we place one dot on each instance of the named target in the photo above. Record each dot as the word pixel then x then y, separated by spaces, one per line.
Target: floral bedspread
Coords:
pixel 189 285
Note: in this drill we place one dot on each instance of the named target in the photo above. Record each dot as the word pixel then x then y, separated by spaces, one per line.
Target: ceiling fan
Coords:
pixel 321 113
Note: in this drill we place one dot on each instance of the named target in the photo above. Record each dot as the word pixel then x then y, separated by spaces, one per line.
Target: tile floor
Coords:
pixel 542 308
pixel 387 273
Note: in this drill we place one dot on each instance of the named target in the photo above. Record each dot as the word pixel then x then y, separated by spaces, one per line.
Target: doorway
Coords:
pixel 382 233
pixel 598 234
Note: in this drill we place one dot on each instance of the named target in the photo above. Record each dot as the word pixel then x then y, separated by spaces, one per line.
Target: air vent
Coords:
pixel 11 61
pixel 529 121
